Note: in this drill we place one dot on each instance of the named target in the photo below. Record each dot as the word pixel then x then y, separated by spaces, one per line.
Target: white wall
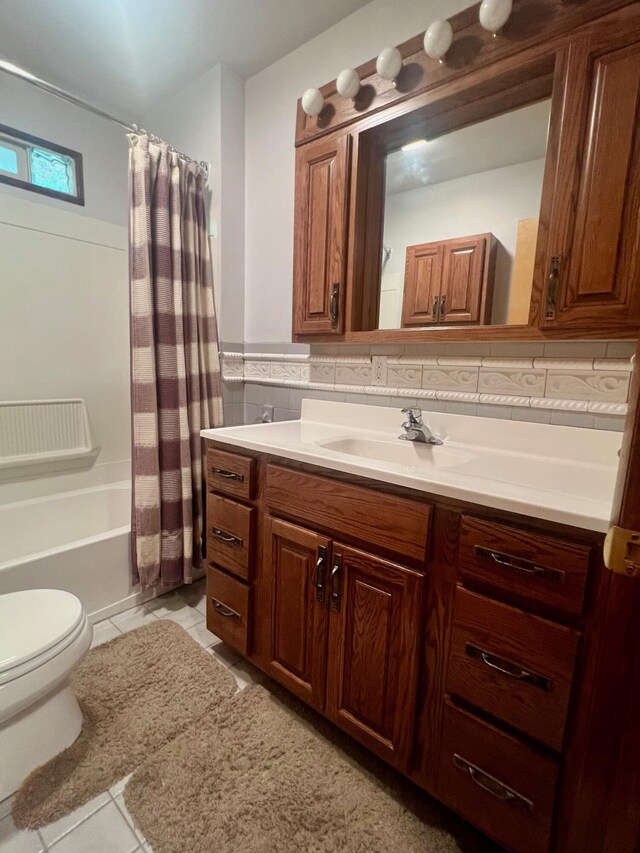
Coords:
pixel 270 113
pixel 64 281
pixel 103 146
pixel 65 316
pixel 205 119
pixel 493 201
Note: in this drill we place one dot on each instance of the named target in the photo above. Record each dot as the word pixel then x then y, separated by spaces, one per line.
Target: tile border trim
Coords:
pixel 295 370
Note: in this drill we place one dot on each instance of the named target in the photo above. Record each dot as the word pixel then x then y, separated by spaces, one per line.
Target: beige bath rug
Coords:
pixel 261 774
pixel 136 693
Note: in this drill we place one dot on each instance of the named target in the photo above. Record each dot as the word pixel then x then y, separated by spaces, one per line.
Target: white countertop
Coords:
pixel 561 474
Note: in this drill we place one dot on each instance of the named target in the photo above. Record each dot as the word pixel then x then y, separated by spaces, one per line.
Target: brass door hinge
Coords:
pixel 622 551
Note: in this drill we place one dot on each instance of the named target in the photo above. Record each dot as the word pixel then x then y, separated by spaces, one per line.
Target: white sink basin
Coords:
pixel 411 453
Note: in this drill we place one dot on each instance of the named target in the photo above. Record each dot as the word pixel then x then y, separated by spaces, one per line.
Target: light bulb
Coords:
pixel 437 39
pixel 348 83
pixel 389 63
pixel 494 14
pixel 312 102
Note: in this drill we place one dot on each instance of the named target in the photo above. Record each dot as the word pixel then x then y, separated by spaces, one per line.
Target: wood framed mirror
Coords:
pixel 511 213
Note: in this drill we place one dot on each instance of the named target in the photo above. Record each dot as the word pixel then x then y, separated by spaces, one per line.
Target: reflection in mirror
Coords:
pixel 461 223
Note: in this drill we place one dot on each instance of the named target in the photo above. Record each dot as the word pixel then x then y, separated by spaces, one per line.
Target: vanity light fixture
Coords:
pixel 348 83
pixel 389 64
pixel 437 39
pixel 312 102
pixel 494 14
pixel 417 143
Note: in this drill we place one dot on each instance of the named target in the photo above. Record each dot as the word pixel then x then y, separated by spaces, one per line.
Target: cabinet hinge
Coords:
pixel 552 287
pixel 622 551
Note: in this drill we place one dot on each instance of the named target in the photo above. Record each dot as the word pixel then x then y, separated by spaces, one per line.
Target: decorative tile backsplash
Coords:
pixel 542 388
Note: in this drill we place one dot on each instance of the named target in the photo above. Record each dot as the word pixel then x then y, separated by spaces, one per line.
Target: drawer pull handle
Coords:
pixel 506 561
pixel 334 582
pixel 229 538
pixel 492 785
pixel 507 667
pixel 320 571
pixel 223 610
pixel 228 475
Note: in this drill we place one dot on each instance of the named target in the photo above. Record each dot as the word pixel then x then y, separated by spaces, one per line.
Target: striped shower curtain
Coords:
pixel 175 368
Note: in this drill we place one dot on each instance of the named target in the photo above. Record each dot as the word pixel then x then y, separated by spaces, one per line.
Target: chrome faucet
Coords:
pixel 416 430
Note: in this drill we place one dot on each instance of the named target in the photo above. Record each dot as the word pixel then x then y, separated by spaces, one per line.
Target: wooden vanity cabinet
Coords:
pixel 297 563
pixel 449 282
pixel 451 640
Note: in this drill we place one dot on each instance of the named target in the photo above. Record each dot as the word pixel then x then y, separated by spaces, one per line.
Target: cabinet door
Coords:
pixel 320 239
pixel 464 280
pixel 423 275
pixel 593 263
pixel 374 631
pixel 297 564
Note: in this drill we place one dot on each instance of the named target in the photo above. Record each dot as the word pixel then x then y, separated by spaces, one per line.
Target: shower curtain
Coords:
pixel 175 368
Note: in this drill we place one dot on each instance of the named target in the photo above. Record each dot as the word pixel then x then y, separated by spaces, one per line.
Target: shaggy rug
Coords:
pixel 136 692
pixel 262 773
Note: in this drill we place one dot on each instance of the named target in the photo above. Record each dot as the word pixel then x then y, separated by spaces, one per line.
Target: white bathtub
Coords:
pixel 77 541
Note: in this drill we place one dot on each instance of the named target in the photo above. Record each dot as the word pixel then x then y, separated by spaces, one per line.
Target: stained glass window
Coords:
pixel 43 167
pixel 53 171
pixel 8 160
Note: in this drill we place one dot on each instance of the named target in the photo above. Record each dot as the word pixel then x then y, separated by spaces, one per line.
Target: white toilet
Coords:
pixel 44 634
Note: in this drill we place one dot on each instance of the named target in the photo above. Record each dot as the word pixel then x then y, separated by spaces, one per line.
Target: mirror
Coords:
pixel 460 226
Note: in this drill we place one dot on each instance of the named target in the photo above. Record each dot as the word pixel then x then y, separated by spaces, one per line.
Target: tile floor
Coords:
pixel 104 825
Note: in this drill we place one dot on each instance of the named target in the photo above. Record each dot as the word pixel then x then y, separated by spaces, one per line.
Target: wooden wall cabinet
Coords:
pixel 320 238
pixel 593 254
pixel 586 279
pixel 449 282
pixel 453 641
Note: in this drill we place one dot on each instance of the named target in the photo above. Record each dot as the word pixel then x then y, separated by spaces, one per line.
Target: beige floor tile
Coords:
pixel 134 618
pixel 103 632
pixel 106 831
pixel 202 635
pixel 54 831
pixel 13 840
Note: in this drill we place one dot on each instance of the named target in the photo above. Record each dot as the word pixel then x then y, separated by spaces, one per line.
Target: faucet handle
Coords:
pixel 415 416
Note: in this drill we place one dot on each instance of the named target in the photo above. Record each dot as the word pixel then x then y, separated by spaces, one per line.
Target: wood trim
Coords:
pixel 603 783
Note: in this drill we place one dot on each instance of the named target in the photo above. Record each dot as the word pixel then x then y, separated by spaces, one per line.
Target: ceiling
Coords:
pixel 126 55
pixel 515 137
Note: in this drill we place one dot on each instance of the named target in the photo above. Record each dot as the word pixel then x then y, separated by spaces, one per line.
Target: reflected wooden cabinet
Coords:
pixel 449 282
pixel 583 61
pixel 344 635
pixel 320 238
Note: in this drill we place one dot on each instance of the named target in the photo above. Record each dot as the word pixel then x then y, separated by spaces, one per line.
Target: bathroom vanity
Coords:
pixel 435 602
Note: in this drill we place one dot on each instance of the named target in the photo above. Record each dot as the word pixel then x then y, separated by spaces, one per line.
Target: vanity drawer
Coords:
pixel 229 534
pixel 394 523
pixel 539 568
pixel 515 666
pixel 228 609
pixel 230 473
pixel 500 784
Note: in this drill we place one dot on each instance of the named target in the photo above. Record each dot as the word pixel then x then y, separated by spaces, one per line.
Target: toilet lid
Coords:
pixel 33 621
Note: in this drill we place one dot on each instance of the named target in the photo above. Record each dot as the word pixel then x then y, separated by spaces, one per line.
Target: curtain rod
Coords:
pixel 27 76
